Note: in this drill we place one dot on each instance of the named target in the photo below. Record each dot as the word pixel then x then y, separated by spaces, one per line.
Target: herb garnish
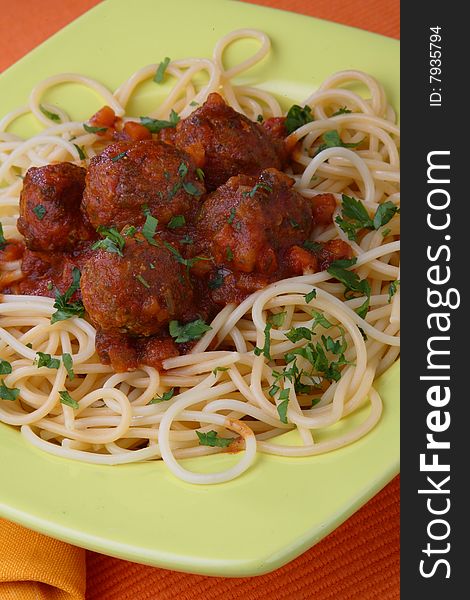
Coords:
pixel 5 367
pixel 342 111
pixel 231 217
pixel 191 189
pixel 393 288
pixel 50 115
pixel 331 139
pixel 39 211
pixel 119 156
pixel 219 369
pixel 68 364
pixel 310 296
pixel 258 186
pixel 357 217
pixel 200 174
pixel 113 241
pixel 45 360
pixel 187 262
pixel 81 152
pixel 66 309
pixel 7 393
pixel 229 253
pixel 176 221
pixel 143 281
pixel 351 281
pixel 91 129
pixel 283 405
pixel 160 72
pixel 67 399
pixel 218 280
pixel 312 246
pixel 164 397
pixel 212 439
pixel 189 331
pixel 297 116
pixel 260 118
pixel 156 125
pixel 149 229
pixel 3 241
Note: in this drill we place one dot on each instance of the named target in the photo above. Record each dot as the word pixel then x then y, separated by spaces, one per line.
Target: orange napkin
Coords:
pixel 358 561
pixel 35 567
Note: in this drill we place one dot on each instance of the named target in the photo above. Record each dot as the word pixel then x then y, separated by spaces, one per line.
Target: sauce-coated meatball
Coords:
pixel 232 144
pixel 50 217
pixel 137 293
pixel 130 178
pixel 247 221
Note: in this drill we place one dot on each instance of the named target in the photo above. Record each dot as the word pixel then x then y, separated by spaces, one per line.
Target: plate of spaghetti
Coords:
pixel 199 269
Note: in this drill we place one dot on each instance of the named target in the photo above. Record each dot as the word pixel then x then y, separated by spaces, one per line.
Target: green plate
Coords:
pixel 280 507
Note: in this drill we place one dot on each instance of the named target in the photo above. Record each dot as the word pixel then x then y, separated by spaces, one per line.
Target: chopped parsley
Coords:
pixel 46 360
pixel 299 333
pixel 91 129
pixel 351 281
pixel 7 393
pixel 277 319
pixel 191 189
pixel 218 280
pixel 297 116
pixel 393 288
pixel 219 370
pixel 160 72
pixel 193 103
pixel 81 152
pixel 113 241
pixel 177 221
pixel 39 211
pixel 211 438
pixel 293 223
pixel 258 186
pixel 5 367
pixel 310 296
pixel 164 397
pixel 229 253
pixel 3 241
pixel 67 399
pixel 283 405
pixel 231 217
pixel 266 349
pixel 119 156
pixel 144 282
pixel 320 319
pixel 260 118
pixel 385 232
pixel 65 308
pixel 342 111
pixel 357 217
pixel 200 174
pixel 156 125
pixel 312 246
pixel 331 139
pixel 50 115
pixel 187 240
pixel 149 229
pixel 183 170
pixel 68 364
pixel 189 331
pixel 187 262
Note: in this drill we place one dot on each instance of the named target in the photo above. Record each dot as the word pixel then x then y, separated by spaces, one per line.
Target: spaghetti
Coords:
pixel 260 370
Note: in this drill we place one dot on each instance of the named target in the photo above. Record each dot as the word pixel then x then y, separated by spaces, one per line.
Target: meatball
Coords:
pixel 128 179
pixel 137 293
pixel 232 144
pixel 50 217
pixel 249 220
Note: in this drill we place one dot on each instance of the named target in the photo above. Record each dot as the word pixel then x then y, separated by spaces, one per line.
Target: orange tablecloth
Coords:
pixel 358 561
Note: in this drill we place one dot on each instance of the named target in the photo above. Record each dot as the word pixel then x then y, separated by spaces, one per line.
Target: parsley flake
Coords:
pixel 92 129
pixel 65 308
pixel 297 116
pixel 189 331
pixel 113 241
pixel 119 156
pixel 7 393
pixel 176 221
pixel 149 229
pixel 3 241
pixel 39 211
pixel 160 72
pixel 68 364
pixel 211 438
pixel 393 288
pixel 81 152
pixel 331 139
pixel 310 296
pixel 66 398
pixel 164 397
pixel 46 360
pixel 341 111
pixel 5 367
pixel 156 125
pixel 50 115
pixel 143 281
